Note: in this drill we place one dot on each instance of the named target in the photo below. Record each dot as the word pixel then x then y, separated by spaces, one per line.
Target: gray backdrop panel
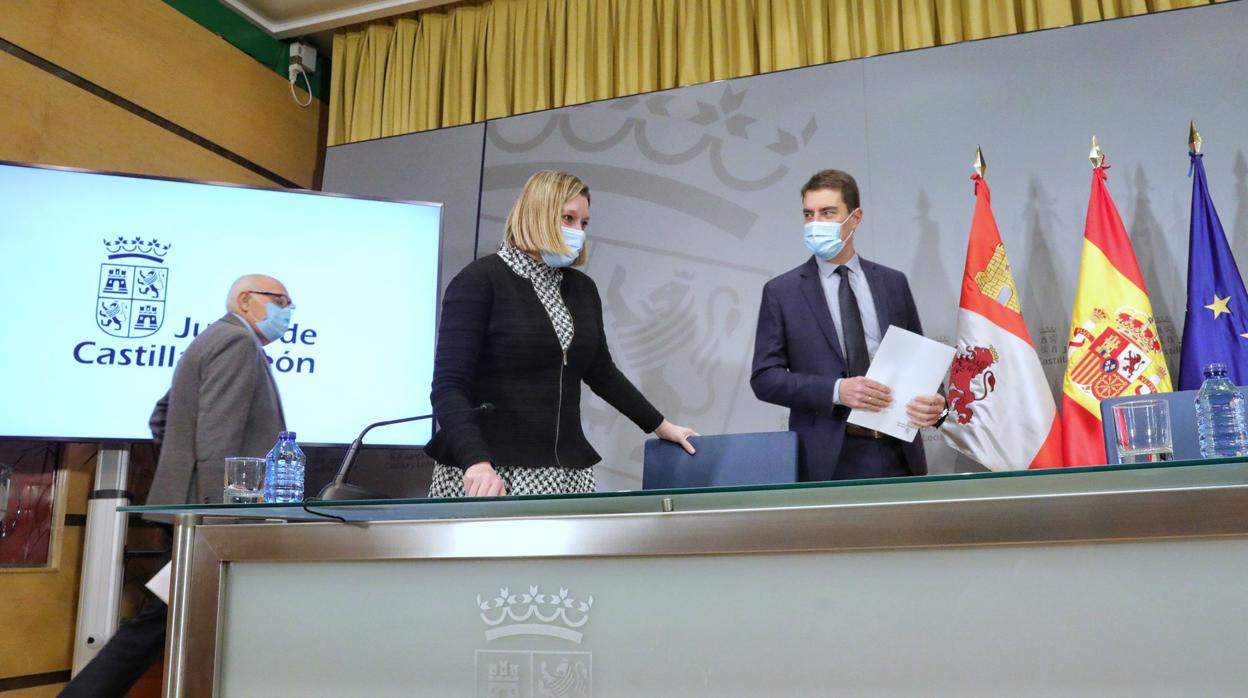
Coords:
pixel 1033 103
pixel 694 200
pixel 696 205
pixel 442 166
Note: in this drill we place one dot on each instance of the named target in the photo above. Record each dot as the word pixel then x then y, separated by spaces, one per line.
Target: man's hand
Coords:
pixel 924 410
pixel 481 480
pixel 865 394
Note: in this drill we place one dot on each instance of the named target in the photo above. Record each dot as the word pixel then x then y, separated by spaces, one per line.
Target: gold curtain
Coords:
pixel 486 59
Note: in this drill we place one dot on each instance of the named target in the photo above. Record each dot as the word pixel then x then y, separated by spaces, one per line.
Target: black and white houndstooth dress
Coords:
pixel 448 481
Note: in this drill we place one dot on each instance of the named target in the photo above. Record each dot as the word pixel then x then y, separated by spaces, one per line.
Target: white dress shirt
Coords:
pixel 831 282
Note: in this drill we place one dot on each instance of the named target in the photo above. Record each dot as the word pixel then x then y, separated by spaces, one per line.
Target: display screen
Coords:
pixel 107 278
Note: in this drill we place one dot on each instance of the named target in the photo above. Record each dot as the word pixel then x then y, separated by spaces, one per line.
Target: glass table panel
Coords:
pixel 1152 476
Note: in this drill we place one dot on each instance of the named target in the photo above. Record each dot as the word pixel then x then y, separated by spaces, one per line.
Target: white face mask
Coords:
pixel 575 240
pixel 823 239
pixel 276 321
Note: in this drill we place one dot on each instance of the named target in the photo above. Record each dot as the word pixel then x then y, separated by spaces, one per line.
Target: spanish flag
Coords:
pixel 1114 347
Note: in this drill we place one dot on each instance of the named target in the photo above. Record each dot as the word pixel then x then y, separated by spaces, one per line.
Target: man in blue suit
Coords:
pixel 818 328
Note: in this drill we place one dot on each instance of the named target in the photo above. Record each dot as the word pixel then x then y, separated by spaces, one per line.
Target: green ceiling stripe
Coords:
pixel 247 37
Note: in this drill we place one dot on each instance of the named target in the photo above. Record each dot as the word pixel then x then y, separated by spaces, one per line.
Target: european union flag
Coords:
pixel 1216 329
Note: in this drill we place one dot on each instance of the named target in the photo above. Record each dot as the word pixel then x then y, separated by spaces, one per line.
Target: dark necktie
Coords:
pixel 855 338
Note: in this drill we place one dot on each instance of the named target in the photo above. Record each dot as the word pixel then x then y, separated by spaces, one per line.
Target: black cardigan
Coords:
pixel 496 344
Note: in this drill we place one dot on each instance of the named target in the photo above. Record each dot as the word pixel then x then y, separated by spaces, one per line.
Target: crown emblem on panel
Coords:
pixel 122 247
pixel 526 663
pixel 130 298
pixel 534 613
pixel 733 144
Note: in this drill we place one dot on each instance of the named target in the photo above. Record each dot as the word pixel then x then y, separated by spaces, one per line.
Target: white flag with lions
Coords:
pixel 1001 411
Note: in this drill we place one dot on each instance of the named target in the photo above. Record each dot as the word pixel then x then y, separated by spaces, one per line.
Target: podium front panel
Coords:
pixel 1088 582
pixel 1164 618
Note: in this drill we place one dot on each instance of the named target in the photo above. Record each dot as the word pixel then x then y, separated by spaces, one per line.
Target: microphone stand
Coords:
pixel 339 489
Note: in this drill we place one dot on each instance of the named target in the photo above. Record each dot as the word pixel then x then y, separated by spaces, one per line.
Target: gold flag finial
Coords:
pixel 1193 138
pixel 980 165
pixel 1097 156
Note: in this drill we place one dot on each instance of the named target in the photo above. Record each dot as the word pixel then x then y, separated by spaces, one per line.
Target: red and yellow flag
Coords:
pixel 1002 411
pixel 1114 347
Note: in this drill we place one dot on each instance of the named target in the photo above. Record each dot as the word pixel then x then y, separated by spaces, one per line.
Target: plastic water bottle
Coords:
pixel 1220 419
pixel 283 470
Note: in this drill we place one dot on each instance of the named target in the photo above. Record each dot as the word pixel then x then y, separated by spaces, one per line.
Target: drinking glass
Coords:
pixel 1143 431
pixel 244 480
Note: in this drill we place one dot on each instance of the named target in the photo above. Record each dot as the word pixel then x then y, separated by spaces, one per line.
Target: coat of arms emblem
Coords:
pixel 537 668
pixel 1112 356
pixel 130 300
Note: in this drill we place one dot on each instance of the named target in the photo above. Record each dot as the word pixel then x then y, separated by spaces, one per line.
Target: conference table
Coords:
pixel 1098 581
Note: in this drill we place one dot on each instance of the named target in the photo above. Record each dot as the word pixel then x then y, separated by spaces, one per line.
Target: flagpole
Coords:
pixel 1193 138
pixel 981 166
pixel 1097 156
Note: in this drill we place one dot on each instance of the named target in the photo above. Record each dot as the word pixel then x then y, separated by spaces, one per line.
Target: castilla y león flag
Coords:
pixel 1114 347
pixel 1001 411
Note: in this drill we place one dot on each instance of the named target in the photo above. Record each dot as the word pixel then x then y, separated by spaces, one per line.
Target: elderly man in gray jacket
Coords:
pixel 223 402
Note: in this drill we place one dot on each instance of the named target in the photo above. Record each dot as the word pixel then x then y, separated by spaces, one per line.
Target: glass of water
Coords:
pixel 244 480
pixel 1143 431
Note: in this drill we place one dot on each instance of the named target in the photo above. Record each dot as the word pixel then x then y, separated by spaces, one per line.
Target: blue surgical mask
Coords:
pixel 275 323
pixel 575 240
pixel 823 239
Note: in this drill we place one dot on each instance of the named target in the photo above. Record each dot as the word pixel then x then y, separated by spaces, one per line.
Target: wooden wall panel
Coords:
pixel 49 691
pixel 39 606
pixel 49 121
pixel 152 55
pixel 39 610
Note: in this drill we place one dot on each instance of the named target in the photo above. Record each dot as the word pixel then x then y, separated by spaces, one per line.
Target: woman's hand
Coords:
pixel 677 434
pixel 481 480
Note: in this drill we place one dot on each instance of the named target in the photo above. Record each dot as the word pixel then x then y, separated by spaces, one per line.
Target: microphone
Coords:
pixel 340 489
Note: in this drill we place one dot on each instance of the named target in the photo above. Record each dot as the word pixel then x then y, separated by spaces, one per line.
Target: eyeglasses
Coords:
pixel 281 299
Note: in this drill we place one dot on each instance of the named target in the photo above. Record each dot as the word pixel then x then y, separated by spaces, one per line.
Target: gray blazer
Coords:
pixel 223 402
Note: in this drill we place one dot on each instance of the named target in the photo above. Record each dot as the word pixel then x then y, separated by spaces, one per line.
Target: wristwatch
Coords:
pixel 941 419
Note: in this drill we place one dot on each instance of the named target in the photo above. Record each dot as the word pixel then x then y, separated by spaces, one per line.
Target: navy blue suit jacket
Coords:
pixel 797 360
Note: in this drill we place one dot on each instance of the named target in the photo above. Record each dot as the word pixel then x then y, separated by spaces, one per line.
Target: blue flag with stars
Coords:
pixel 1216 329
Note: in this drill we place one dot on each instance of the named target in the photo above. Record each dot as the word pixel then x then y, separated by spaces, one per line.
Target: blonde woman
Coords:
pixel 522 329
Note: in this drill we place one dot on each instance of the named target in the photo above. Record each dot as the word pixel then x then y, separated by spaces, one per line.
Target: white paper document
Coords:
pixel 159 584
pixel 911 365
